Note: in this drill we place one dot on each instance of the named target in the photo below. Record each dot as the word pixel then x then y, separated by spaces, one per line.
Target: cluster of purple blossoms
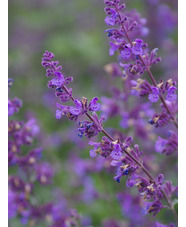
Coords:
pixel 31 170
pixel 13 104
pixel 134 59
pixel 167 146
pixel 80 108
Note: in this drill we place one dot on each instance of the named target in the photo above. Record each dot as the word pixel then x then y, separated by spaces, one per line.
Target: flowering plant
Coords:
pixel 146 106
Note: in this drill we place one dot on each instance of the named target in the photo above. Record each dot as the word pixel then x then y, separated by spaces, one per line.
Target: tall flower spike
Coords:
pixel 136 58
pixel 125 157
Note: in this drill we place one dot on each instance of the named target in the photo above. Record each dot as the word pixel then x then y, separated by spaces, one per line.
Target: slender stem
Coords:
pixel 148 70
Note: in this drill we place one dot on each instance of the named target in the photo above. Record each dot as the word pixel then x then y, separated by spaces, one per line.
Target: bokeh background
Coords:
pixel 74 31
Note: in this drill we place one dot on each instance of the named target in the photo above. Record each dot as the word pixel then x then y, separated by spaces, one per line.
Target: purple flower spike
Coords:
pixel 155 95
pixel 137 49
pixel 171 96
pixel 116 153
pixel 94 106
pixel 76 110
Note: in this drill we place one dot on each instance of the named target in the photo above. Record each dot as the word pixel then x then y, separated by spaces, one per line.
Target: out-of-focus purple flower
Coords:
pixel 44 172
pixel 167 146
pixel 124 123
pixel 58 114
pixel 169 189
pixel 31 158
pixel 109 107
pixel 111 223
pixel 32 126
pixel 16 183
pixel 14 105
pixel 131 208
pixel 171 96
pixel 157 224
pixel 89 194
pixel 12 206
pixel 113 69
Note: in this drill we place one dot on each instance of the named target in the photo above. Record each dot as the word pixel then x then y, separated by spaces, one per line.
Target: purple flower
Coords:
pixel 110 21
pixel 58 114
pixel 155 95
pixel 153 57
pixel 120 172
pixel 160 145
pixel 131 206
pixel 93 151
pixel 114 47
pixel 31 158
pixel 76 110
pixel 126 52
pixel 152 207
pixel 137 49
pixel 167 146
pixel 109 106
pixel 160 120
pixel 116 153
pixel 94 106
pixel 63 95
pixel 14 105
pixel 10 82
pixel 89 193
pixel 157 224
pixel 124 123
pixel 32 126
pixel 171 96
pixel 89 129
pixel 44 173
pixel 63 110
pixel 169 189
pixel 12 206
